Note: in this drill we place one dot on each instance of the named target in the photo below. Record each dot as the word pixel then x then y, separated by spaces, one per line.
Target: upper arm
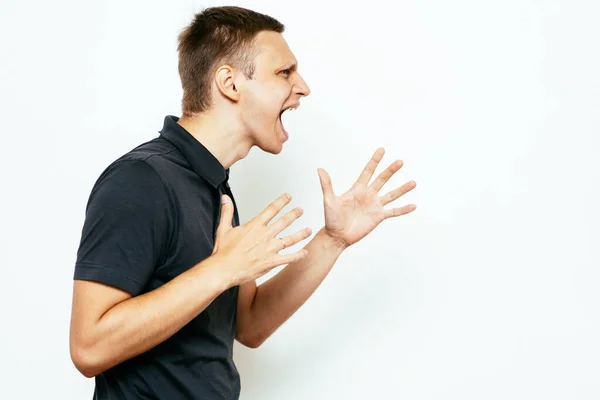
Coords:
pixel 246 294
pixel 127 228
pixel 125 234
pixel 91 300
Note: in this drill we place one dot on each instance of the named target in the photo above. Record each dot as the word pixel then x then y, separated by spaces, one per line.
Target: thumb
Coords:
pixel 325 183
pixel 226 215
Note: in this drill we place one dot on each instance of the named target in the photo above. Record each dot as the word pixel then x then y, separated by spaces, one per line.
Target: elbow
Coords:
pixel 85 360
pixel 251 341
pixel 253 344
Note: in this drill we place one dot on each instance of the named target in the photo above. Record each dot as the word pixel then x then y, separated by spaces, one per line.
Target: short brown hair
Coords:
pixel 216 35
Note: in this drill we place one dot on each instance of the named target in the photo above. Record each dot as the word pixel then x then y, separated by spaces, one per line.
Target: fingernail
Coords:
pixel 224 199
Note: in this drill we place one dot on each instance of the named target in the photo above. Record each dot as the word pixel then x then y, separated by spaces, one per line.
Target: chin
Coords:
pixel 272 148
pixel 272 144
pixel 278 150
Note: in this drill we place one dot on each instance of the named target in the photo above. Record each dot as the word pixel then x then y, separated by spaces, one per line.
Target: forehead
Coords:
pixel 272 49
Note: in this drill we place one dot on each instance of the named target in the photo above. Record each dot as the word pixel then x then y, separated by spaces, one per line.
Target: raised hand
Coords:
pixel 251 250
pixel 354 214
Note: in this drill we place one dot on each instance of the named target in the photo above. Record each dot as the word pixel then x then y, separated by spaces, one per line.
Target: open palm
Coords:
pixel 354 214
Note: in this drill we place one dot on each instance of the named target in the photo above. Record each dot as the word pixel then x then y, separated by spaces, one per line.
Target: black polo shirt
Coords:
pixel 152 215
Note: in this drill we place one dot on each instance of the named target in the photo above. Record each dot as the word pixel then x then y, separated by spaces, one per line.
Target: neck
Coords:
pixel 215 131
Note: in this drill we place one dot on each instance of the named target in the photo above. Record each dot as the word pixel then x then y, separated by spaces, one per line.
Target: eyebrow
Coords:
pixel 292 66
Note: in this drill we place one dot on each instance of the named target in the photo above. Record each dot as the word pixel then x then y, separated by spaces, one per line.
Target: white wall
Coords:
pixel 488 291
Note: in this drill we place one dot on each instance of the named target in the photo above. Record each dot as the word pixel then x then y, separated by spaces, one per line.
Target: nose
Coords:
pixel 302 88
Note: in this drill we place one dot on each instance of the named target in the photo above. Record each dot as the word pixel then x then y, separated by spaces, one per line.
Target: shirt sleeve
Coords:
pixel 127 227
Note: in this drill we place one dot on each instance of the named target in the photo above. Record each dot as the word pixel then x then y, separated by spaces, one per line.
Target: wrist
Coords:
pixel 216 272
pixel 333 240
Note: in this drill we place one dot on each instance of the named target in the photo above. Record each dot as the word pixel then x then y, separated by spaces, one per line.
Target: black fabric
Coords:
pixel 152 215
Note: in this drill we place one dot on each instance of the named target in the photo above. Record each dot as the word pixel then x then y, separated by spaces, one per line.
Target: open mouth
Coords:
pixel 289 108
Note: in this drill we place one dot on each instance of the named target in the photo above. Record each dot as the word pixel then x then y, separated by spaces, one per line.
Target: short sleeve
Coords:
pixel 127 227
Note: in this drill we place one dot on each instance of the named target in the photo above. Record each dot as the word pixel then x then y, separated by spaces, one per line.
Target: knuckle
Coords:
pixel 292 215
pixel 283 199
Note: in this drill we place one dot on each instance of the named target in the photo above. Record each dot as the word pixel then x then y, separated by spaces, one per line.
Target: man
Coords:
pixel 165 277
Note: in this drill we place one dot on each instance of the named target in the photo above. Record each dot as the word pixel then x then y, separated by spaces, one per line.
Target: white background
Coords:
pixel 488 291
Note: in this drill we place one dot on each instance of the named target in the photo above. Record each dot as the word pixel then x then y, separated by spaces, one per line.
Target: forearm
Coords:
pixel 142 322
pixel 277 299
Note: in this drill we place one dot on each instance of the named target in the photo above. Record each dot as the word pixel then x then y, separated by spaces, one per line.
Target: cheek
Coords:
pixel 253 106
pixel 263 104
pixel 268 103
pixel 259 116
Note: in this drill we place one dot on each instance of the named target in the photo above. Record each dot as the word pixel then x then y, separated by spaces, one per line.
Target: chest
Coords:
pixel 195 221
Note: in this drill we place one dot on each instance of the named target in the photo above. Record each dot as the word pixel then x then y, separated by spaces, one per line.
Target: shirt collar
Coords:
pixel 202 161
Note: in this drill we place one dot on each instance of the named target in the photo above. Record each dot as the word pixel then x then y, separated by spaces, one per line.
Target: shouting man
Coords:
pixel 165 277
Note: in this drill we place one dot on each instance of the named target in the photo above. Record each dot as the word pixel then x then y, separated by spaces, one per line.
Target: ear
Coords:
pixel 225 80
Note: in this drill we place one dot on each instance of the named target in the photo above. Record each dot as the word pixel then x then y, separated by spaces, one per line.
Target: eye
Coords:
pixel 286 72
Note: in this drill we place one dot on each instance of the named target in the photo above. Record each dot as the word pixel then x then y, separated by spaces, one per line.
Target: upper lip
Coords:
pixel 291 106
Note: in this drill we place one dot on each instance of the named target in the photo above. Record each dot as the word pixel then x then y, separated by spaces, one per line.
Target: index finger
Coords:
pixel 274 208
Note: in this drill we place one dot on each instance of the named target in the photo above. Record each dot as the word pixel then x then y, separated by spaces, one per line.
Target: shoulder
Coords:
pixel 138 166
pixel 131 182
pixel 129 174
